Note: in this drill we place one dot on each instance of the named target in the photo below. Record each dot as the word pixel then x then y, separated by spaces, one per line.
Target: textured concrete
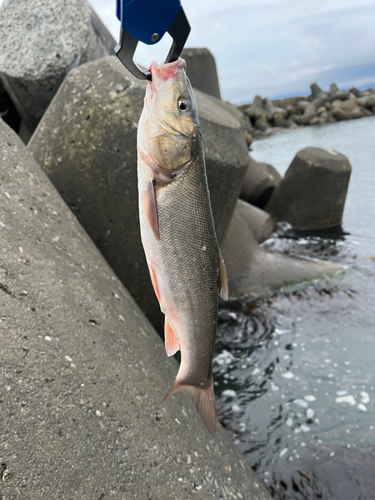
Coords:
pixel 201 70
pixel 260 181
pixel 253 270
pixel 83 373
pixel 86 143
pixel 41 40
pixel 260 223
pixel 313 192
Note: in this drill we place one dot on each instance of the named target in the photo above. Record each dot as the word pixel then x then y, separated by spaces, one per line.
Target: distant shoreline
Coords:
pixel 320 107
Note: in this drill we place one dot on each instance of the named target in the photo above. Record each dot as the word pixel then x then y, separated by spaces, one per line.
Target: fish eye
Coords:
pixel 184 105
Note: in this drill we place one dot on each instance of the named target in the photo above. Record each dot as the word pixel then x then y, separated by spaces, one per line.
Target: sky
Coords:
pixel 274 48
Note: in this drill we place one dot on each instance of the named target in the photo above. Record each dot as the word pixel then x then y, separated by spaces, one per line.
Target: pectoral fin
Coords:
pixel 222 279
pixel 150 209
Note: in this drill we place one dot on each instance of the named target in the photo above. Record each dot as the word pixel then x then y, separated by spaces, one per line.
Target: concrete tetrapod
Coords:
pixel 260 182
pixel 253 270
pixel 40 42
pixel 201 70
pixel 313 192
pixel 86 143
pixel 82 371
pixel 260 223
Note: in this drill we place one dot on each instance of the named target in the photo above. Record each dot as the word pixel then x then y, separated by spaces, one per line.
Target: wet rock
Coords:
pixel 260 223
pixel 86 143
pixel 201 70
pixel 85 372
pixel 260 181
pixel 312 194
pixel 39 46
pixel 252 270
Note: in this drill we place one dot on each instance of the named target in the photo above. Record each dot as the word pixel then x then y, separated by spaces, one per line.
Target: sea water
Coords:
pixel 295 371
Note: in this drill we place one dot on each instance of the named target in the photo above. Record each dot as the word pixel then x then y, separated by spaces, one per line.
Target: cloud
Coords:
pixel 273 47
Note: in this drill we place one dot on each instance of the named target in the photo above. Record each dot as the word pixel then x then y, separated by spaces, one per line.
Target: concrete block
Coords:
pixel 201 70
pixel 260 181
pixel 260 223
pixel 41 40
pixel 254 271
pixel 86 143
pixel 313 192
pixel 83 373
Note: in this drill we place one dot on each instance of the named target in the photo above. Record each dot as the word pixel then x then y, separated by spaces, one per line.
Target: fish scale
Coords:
pixel 188 252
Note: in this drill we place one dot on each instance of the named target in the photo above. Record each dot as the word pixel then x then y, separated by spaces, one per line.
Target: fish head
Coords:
pixel 171 134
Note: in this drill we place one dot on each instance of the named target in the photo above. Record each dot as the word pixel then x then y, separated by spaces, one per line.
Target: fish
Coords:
pixel 186 266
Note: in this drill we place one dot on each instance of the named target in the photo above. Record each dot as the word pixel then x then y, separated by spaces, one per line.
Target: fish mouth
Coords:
pixel 164 71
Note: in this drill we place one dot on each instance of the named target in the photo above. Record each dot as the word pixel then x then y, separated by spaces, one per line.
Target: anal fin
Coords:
pixel 222 279
pixel 172 344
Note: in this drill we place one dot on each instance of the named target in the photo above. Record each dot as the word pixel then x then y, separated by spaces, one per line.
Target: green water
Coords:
pixel 295 372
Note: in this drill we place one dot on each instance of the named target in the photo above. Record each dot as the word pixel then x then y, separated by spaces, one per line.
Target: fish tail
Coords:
pixel 204 400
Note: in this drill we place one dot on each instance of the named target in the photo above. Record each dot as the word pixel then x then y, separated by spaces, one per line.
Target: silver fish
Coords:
pixel 178 234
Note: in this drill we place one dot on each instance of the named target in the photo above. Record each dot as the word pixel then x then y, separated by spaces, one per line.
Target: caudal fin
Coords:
pixel 204 400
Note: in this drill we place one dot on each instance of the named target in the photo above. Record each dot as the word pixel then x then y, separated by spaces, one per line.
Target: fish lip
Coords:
pixel 164 71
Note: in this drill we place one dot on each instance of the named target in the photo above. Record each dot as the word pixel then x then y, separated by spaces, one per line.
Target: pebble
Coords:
pixel 48 338
pixel 283 452
pixel 68 358
pixel 288 375
pixel 362 407
pixel 235 408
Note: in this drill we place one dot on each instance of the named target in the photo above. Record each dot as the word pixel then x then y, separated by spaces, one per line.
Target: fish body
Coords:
pixel 177 230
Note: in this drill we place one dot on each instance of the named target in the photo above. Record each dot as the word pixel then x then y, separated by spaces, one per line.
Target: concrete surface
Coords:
pixel 201 70
pixel 41 40
pixel 83 373
pixel 260 181
pixel 260 223
pixel 253 270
